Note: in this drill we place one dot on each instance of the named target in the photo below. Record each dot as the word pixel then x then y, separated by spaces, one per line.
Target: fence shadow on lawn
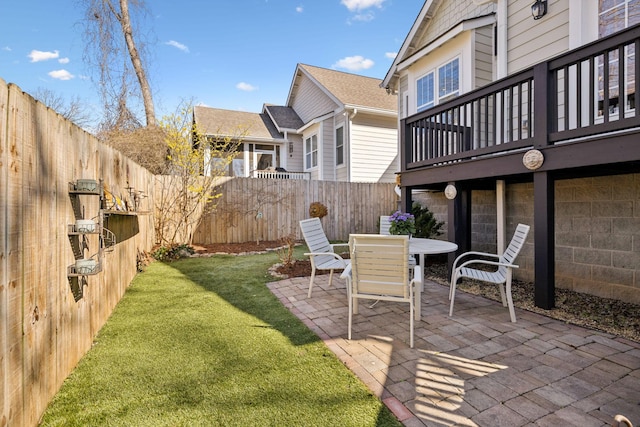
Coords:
pixel 234 279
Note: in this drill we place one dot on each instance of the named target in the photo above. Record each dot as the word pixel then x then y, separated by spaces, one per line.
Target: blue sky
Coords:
pixel 235 55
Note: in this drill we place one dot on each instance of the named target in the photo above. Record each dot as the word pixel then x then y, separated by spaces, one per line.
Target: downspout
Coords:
pixel 502 70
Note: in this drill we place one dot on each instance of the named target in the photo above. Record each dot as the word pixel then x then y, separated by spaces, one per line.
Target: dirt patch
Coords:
pixel 602 314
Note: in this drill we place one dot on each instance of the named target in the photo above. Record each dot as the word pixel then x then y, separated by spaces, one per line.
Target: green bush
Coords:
pixel 173 252
pixel 427 225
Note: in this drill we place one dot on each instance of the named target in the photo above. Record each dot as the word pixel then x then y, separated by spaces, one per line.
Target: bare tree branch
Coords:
pixel 117 58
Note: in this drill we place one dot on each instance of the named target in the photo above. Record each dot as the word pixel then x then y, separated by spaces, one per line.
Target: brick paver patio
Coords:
pixel 475 368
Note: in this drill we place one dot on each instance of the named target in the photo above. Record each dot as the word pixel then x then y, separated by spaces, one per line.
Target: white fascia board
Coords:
pixel 407 43
pixel 369 110
pixel 249 140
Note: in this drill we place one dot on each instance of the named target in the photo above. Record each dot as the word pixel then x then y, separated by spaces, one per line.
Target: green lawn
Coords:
pixel 203 342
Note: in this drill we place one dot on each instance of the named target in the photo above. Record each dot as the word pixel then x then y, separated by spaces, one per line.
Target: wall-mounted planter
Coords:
pixel 90 185
pixel 86 226
pixel 87 266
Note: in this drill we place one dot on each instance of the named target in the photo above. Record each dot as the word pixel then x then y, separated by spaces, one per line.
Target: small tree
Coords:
pixel 186 194
pixel 426 224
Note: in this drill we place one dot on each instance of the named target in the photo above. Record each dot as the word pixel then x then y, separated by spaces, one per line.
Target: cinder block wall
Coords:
pixel 597 232
pixel 598 236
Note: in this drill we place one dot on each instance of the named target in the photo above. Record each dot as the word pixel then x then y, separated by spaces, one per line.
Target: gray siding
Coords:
pixel 295 159
pixel 327 145
pixel 530 41
pixel 311 102
pixel 450 13
pixel 484 59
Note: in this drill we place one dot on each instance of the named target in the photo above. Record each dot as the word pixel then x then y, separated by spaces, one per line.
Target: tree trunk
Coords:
pixel 145 89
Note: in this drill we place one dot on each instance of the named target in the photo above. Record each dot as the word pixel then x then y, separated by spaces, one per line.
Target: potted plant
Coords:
pixel 402 223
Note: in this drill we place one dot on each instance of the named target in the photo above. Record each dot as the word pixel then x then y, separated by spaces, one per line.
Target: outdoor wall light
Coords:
pixel 539 9
pixel 450 192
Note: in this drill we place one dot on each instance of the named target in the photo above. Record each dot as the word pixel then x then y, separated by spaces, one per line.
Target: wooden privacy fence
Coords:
pixel 48 315
pixel 252 209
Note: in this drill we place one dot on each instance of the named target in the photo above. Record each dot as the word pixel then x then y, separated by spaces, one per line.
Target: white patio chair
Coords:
pixel 322 253
pixel 385 224
pixel 501 275
pixel 379 271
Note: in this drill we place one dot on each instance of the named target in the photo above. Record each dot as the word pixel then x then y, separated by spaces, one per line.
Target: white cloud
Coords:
pixel 391 55
pixel 362 4
pixel 60 75
pixel 7 48
pixel 38 55
pixel 246 87
pixel 299 9
pixel 63 60
pixel 354 63
pixel 178 45
pixel 363 17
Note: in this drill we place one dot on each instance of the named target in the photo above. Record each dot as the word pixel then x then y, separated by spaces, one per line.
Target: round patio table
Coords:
pixel 421 247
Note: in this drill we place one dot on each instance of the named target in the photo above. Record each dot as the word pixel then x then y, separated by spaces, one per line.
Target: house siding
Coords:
pixel 311 102
pixel 531 41
pixel 450 13
pixel 370 143
pixel 328 146
pixel 484 59
pixel 295 160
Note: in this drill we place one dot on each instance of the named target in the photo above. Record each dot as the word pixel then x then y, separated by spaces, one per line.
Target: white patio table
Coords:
pixel 421 247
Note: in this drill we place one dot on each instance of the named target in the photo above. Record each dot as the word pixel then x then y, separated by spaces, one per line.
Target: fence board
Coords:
pixel 47 324
pixel 4 250
pixel 352 208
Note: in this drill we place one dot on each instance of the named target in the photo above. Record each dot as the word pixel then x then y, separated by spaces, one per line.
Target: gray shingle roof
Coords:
pixel 352 89
pixel 284 117
pixel 216 121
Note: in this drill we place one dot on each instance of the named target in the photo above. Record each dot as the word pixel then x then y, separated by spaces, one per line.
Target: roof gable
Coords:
pixel 438 21
pixel 345 89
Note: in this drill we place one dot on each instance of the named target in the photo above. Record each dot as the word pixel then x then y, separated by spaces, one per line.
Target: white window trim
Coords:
pixel 435 70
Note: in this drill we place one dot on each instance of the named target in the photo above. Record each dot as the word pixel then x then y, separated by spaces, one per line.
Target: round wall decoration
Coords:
pixel 533 159
pixel 450 192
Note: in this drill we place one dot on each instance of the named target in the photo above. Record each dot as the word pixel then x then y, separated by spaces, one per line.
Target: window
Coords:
pixel 448 78
pixel 616 15
pixel 311 152
pixel 340 146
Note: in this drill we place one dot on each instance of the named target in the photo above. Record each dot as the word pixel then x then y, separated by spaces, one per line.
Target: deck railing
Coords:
pixel 585 92
pixel 280 175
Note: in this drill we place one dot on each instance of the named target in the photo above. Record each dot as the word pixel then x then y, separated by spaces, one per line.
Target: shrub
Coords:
pixel 285 253
pixel 173 252
pixel 426 224
pixel 317 210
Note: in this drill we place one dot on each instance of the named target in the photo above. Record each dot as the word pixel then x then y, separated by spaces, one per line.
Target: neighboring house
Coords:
pixel 533 119
pixel 336 126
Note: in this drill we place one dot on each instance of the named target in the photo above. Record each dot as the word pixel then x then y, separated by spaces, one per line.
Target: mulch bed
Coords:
pixel 607 315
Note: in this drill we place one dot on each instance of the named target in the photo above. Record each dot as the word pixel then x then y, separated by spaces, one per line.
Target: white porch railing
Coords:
pixel 280 175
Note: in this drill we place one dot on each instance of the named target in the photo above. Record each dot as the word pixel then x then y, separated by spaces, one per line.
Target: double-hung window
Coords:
pixel 340 146
pixel 311 152
pixel 438 85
